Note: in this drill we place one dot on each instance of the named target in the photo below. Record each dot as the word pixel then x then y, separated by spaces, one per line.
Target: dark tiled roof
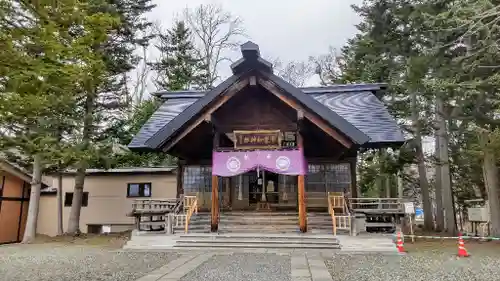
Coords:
pixel 167 111
pixel 365 111
pixel 355 103
pixel 164 133
pixel 332 118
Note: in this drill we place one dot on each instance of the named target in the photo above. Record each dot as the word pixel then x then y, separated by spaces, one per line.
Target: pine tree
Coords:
pixel 43 62
pixel 179 68
pixel 104 99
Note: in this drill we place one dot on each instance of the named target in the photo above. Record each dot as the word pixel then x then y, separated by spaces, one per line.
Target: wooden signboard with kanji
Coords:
pixel 263 139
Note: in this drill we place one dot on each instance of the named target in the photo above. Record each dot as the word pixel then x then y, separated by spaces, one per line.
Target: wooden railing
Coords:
pixel 188 201
pixel 152 214
pixel 152 206
pixel 380 205
pixel 180 220
pixel 193 208
pixel 336 200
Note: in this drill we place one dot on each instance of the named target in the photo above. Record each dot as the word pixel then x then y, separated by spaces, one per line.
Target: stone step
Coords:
pixel 256 246
pixel 258 237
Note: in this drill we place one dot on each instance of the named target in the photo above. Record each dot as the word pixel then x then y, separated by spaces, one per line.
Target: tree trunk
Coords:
pixel 388 186
pixel 36 186
pixel 444 161
pixel 438 184
pixel 76 204
pixel 490 173
pixel 380 179
pixel 60 229
pixel 422 176
pixel 401 184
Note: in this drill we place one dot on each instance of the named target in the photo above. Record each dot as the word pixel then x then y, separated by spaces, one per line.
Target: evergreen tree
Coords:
pixel 389 48
pixel 104 99
pixel 179 68
pixel 43 62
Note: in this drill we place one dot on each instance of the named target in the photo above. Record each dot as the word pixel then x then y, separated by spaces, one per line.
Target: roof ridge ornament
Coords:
pixel 251 60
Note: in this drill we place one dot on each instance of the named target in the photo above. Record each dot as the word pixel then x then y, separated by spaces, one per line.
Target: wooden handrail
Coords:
pixel 192 208
pixel 336 200
pixel 188 201
pixel 331 211
pixel 179 205
pixel 334 223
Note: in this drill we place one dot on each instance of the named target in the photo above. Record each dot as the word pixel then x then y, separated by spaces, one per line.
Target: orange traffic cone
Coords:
pixel 462 252
pixel 399 243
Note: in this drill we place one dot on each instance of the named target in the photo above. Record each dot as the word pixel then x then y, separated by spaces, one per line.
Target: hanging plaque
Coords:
pixel 257 139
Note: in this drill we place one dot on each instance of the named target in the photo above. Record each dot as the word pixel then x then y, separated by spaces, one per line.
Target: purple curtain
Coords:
pixel 232 163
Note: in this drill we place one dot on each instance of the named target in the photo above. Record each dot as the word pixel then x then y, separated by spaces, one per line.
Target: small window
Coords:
pixel 68 199
pixel 139 189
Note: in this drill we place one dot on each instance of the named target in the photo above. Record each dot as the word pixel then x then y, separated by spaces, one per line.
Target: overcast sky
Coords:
pixel 289 29
pixel 284 29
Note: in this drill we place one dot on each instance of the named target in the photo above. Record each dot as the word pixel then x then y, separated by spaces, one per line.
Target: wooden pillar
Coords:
pixel 355 189
pixel 180 177
pixel 214 223
pixel 301 193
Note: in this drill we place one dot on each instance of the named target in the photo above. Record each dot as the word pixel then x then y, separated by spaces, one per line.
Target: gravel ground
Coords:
pixel 414 267
pixel 243 266
pixel 44 262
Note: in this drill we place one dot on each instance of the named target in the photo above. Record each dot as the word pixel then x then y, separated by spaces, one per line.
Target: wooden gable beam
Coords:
pixel 317 121
pixel 229 93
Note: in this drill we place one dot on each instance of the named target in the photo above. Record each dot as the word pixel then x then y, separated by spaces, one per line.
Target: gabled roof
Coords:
pixel 166 132
pixel 335 120
pixel 353 110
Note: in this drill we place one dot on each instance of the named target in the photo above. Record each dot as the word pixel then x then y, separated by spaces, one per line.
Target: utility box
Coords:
pixel 359 223
pixel 478 214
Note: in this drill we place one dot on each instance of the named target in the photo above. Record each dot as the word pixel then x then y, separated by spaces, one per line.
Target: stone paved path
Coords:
pixel 244 265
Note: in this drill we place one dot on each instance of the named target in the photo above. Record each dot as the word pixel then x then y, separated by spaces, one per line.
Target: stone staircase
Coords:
pixel 260 222
pixel 256 241
pixel 277 230
pixel 157 241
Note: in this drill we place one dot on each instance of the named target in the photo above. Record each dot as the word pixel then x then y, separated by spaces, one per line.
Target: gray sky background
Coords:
pixel 291 30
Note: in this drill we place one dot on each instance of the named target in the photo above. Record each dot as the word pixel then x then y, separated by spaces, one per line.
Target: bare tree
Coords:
pixel 215 31
pixel 141 81
pixel 294 72
pixel 327 66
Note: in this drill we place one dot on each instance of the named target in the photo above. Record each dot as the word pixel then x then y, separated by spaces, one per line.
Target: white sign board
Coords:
pixel 478 214
pixel 409 208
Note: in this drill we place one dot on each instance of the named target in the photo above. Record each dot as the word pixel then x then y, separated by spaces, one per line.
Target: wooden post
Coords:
pixel 355 189
pixel 301 193
pixel 180 176
pixel 214 225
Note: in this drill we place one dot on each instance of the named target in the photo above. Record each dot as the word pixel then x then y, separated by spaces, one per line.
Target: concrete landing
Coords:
pixel 234 241
pixel 367 244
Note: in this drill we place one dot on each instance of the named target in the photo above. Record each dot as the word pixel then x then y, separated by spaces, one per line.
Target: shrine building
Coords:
pixel 256 141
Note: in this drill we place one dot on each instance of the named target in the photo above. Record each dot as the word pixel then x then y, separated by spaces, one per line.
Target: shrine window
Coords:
pixel 197 179
pixel 328 177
